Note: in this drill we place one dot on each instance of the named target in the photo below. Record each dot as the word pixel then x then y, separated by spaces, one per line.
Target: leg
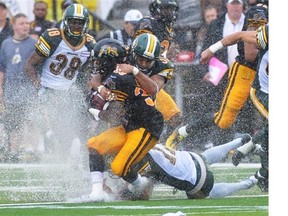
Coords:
pixel 221 190
pixel 216 154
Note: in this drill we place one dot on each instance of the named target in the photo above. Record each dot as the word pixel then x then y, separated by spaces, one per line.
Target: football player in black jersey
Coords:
pixel 138 124
pixel 241 77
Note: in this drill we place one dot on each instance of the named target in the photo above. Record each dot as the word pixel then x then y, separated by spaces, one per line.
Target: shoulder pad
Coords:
pixel 91 42
pixel 144 25
pixel 163 67
pixel 48 41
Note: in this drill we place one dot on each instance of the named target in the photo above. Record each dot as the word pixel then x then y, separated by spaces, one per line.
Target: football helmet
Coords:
pixel 107 54
pixel 256 16
pixel 147 46
pixel 75 20
pixel 164 10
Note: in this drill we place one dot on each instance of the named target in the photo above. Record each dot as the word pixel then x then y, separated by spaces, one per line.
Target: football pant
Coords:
pixel 240 81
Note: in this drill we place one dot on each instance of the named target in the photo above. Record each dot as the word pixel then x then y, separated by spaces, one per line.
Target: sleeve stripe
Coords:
pixel 43 46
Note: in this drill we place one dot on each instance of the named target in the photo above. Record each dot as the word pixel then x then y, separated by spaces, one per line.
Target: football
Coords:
pixel 98 102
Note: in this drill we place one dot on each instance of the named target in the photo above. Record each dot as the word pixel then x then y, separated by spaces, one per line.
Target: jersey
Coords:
pixel 150 25
pixel 139 107
pixel 253 17
pixel 39 26
pixel 13 56
pixel 163 67
pixel 183 170
pixel 63 61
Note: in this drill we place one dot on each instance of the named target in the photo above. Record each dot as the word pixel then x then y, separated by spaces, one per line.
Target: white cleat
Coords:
pixel 98 194
pixel 93 197
pixel 140 187
pixel 251 181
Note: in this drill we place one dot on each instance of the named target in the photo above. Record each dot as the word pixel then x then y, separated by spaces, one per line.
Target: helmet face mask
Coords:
pixel 108 53
pixel 164 10
pixel 76 21
pixel 145 50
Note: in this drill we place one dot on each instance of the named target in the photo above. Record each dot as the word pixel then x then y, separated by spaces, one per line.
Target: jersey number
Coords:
pixel 61 62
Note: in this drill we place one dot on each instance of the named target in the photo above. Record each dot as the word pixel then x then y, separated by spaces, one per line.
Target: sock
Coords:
pixel 246 147
pixel 182 131
pixel 138 181
pixel 97 177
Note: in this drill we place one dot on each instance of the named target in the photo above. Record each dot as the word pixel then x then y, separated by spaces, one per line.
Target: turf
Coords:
pixel 42 190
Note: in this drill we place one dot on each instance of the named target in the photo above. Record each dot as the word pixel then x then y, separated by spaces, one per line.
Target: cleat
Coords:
pixel 263 183
pixel 174 140
pixel 93 197
pixel 245 138
pixel 237 157
pixel 244 149
pixel 258 149
pixel 251 181
pixel 140 192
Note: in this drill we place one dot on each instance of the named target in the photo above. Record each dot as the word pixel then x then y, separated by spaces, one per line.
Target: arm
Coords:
pixel 150 84
pixel 30 68
pixel 96 84
pixel 246 36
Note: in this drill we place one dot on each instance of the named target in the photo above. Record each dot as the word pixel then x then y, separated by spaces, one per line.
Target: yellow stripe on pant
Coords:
pixel 241 79
pixel 137 145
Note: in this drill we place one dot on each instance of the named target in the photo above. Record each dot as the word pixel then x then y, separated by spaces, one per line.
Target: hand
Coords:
pixel 124 68
pixel 206 55
pixel 95 113
pixel 107 94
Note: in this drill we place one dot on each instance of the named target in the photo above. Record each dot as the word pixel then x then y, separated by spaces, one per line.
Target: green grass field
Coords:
pixel 43 189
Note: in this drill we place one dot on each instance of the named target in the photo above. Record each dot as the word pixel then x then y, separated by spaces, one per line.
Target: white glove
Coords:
pixel 95 113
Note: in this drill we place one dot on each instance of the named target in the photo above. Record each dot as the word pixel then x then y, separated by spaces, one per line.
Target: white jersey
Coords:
pixel 178 164
pixel 63 61
pixel 262 39
pixel 262 73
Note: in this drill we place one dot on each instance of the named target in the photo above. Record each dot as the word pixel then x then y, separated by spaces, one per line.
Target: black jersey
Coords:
pixel 150 25
pixel 253 17
pixel 139 106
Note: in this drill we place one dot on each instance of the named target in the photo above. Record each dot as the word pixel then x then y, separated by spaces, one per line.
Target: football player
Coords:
pixel 185 171
pixel 259 95
pixel 163 14
pixel 62 54
pixel 138 124
pixel 240 79
pixel 152 72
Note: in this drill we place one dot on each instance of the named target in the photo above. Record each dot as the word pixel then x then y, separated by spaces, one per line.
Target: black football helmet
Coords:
pixel 107 54
pixel 164 10
pixel 256 16
pixel 78 13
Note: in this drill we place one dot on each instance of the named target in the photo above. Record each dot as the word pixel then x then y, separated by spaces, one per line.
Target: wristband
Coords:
pixel 100 87
pixel 135 71
pixel 215 47
pixel 95 113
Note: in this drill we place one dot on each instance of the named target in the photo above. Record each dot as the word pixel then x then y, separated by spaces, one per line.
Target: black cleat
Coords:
pixel 237 157
pixel 263 183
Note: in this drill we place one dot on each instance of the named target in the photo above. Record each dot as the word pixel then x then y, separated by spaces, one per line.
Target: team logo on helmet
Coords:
pixel 108 50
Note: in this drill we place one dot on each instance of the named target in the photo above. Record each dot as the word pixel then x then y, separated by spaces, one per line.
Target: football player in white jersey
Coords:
pixel 183 170
pixel 62 54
